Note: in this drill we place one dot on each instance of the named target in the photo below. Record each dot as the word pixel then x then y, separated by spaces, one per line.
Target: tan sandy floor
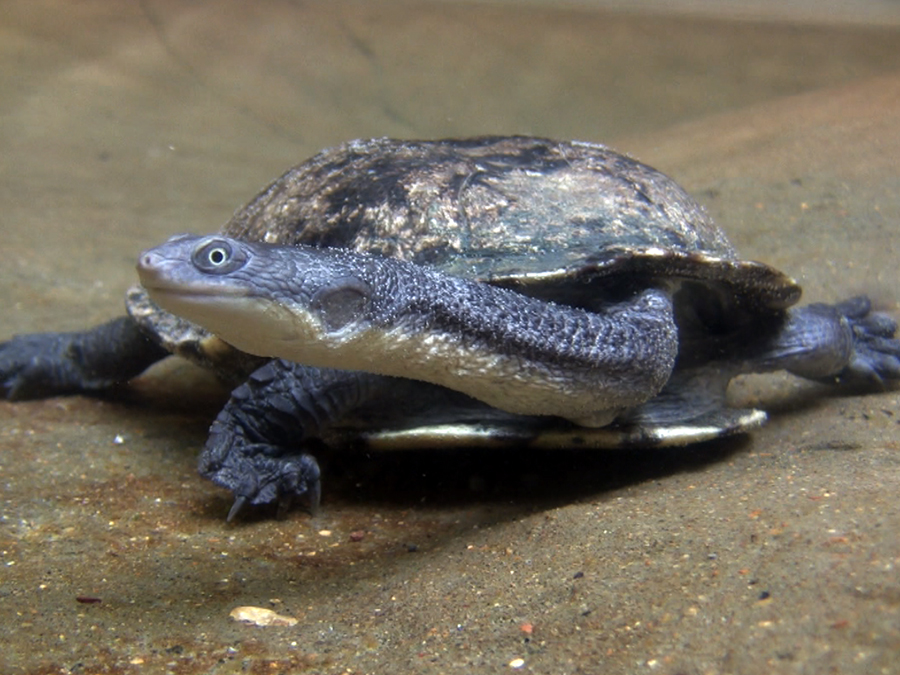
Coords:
pixel 122 123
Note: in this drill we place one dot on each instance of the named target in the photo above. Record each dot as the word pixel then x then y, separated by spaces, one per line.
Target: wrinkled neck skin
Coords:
pixel 338 309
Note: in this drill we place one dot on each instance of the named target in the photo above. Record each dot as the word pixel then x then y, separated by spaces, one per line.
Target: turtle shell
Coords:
pixel 566 221
pixel 516 211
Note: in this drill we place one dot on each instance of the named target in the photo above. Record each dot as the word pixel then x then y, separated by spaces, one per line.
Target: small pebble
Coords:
pixel 517 663
pixel 261 616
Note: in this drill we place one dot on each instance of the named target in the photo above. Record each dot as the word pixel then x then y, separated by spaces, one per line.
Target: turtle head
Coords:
pixel 298 302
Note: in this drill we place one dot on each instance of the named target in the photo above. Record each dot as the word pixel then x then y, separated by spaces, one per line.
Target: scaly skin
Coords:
pixel 337 309
pixel 39 365
pixel 255 444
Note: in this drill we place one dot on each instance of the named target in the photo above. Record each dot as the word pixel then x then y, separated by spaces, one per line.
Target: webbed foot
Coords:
pixel 38 365
pixel 841 343
pixel 255 444
pixel 875 355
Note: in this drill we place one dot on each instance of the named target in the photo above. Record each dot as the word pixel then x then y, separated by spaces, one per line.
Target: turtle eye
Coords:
pixel 218 257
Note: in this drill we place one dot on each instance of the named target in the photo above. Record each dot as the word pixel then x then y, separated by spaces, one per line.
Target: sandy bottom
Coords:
pixel 123 123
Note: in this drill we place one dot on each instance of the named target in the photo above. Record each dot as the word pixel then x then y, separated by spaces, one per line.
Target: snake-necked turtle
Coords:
pixel 491 290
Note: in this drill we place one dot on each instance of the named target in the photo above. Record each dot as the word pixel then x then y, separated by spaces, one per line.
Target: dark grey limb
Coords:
pixel 835 344
pixel 255 444
pixel 39 365
pixel 841 343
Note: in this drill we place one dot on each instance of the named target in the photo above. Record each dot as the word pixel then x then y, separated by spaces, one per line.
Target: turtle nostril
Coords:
pixel 149 261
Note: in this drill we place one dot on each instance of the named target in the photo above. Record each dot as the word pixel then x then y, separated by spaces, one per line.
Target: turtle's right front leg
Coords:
pixel 846 342
pixel 255 444
pixel 38 365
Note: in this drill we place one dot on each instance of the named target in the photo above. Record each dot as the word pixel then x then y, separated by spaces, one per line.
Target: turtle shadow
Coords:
pixel 521 479
pixel 525 477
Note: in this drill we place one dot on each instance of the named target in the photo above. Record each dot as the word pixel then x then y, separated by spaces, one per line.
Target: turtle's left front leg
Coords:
pixel 255 444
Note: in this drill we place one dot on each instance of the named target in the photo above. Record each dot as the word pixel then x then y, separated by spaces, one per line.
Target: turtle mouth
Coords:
pixel 170 293
pixel 203 304
pixel 175 291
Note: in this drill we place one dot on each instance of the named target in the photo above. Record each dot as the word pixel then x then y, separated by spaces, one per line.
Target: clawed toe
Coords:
pixel 236 508
pixel 877 325
pixel 258 473
pixel 854 308
pixel 876 355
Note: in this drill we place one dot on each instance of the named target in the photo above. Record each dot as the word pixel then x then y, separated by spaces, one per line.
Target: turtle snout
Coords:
pixel 168 262
pixel 149 265
pixel 148 261
pixel 158 268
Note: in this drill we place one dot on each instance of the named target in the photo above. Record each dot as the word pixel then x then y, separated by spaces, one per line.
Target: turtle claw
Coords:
pixel 257 473
pixel 876 349
pixel 280 480
pixel 236 508
pixel 314 497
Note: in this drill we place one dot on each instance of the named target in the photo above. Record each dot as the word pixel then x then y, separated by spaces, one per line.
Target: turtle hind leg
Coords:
pixel 255 444
pixel 841 343
pixel 39 365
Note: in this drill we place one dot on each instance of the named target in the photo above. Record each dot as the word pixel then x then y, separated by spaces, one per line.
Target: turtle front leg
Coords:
pixel 254 445
pixel 842 343
pixel 39 365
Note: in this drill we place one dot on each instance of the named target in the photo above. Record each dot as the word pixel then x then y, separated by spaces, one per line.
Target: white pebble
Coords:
pixel 261 616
